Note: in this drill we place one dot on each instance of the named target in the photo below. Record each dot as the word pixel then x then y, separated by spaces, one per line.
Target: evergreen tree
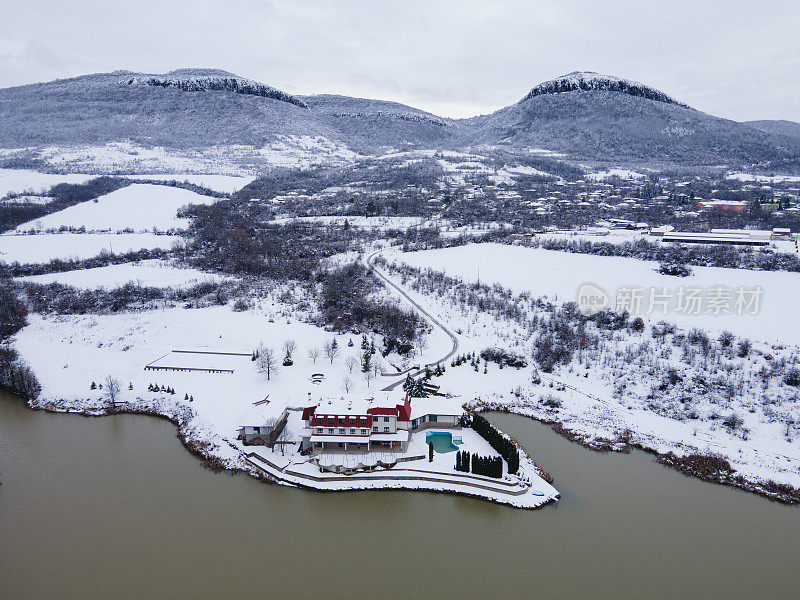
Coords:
pixel 93 386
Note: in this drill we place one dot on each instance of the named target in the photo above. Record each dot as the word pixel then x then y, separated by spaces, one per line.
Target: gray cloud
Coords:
pixel 452 57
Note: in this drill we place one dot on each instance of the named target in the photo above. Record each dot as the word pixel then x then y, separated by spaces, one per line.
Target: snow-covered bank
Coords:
pixel 74 357
pixel 656 392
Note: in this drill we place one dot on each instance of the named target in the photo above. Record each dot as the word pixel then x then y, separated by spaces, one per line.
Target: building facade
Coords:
pixel 355 424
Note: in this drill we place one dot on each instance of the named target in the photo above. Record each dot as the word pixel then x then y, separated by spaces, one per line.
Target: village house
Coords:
pixel 353 424
pixel 357 424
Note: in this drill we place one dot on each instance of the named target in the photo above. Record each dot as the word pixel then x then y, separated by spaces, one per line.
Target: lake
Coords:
pixel 115 506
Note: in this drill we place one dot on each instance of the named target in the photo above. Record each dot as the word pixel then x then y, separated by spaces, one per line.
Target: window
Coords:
pixel 330 430
pixel 374 429
pixel 341 431
pixel 433 418
pixel 364 432
pixel 352 432
pixel 319 430
pixel 385 419
pixel 386 430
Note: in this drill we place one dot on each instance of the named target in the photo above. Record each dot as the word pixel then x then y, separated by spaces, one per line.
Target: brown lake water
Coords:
pixel 115 507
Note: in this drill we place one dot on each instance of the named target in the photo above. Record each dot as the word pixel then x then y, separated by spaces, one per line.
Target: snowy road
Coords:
pixel 370 261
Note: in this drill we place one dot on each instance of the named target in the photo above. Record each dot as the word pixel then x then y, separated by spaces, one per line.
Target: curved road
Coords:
pixel 370 261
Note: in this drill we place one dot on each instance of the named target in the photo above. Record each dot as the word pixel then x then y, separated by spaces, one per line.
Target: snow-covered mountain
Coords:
pixel 589 80
pixel 780 127
pixel 585 116
pixel 594 117
pixel 202 80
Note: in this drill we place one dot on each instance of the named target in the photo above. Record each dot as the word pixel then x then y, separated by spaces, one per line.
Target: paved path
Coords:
pixel 370 260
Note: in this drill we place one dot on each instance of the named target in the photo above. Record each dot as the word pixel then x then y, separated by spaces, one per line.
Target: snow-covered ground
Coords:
pixel 140 207
pixel 376 223
pixel 153 273
pixel 20 181
pixel 610 394
pixel 616 172
pixel 44 247
pixel 559 275
pixel 69 353
pixel 293 151
pixel 220 183
pixel 763 178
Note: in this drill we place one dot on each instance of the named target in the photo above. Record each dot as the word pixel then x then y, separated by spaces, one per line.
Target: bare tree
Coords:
pixel 283 438
pixel 112 390
pixel 368 376
pixel 351 362
pixel 347 384
pixel 376 367
pixel 313 353
pixel 266 361
pixel 331 350
pixel 289 347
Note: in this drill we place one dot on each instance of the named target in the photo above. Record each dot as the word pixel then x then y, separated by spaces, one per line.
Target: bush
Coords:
pixel 792 377
pixel 241 305
pixel 488 466
pixel 501 444
pixel 503 358
pixel 13 314
pixel 674 268
pixel 550 401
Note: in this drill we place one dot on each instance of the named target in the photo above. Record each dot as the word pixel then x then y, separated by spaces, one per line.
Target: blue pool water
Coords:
pixel 442 441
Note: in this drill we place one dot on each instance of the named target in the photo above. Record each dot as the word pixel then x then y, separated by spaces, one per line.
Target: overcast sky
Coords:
pixel 737 59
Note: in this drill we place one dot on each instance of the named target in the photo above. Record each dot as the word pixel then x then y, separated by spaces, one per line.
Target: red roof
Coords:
pixel 404 410
pixel 308 411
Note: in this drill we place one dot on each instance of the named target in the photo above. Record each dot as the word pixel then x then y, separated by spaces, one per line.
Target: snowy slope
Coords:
pixel 45 247
pixel 560 274
pixel 21 180
pixel 152 273
pixel 140 207
pixel 219 183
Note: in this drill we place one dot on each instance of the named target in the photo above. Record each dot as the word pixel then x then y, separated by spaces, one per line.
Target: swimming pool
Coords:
pixel 442 441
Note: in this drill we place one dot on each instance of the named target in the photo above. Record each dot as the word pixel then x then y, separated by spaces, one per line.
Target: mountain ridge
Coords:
pixel 583 115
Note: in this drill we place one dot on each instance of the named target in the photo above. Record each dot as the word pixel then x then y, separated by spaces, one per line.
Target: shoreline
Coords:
pixel 203 450
pixel 705 467
pixel 708 468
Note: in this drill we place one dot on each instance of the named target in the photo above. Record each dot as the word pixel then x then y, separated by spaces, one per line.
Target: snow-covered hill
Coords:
pixel 589 80
pixel 203 80
pixel 202 116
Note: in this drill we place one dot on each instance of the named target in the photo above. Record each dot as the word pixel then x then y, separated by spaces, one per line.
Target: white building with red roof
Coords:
pixel 354 423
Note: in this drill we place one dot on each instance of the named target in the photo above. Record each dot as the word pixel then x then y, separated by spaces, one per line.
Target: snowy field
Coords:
pixel 69 353
pixel 45 247
pixel 140 207
pixel 621 173
pixel 220 183
pixel 763 178
pixel 589 402
pixel 20 181
pixel 152 273
pixel 204 360
pixel 558 275
pixel 376 223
